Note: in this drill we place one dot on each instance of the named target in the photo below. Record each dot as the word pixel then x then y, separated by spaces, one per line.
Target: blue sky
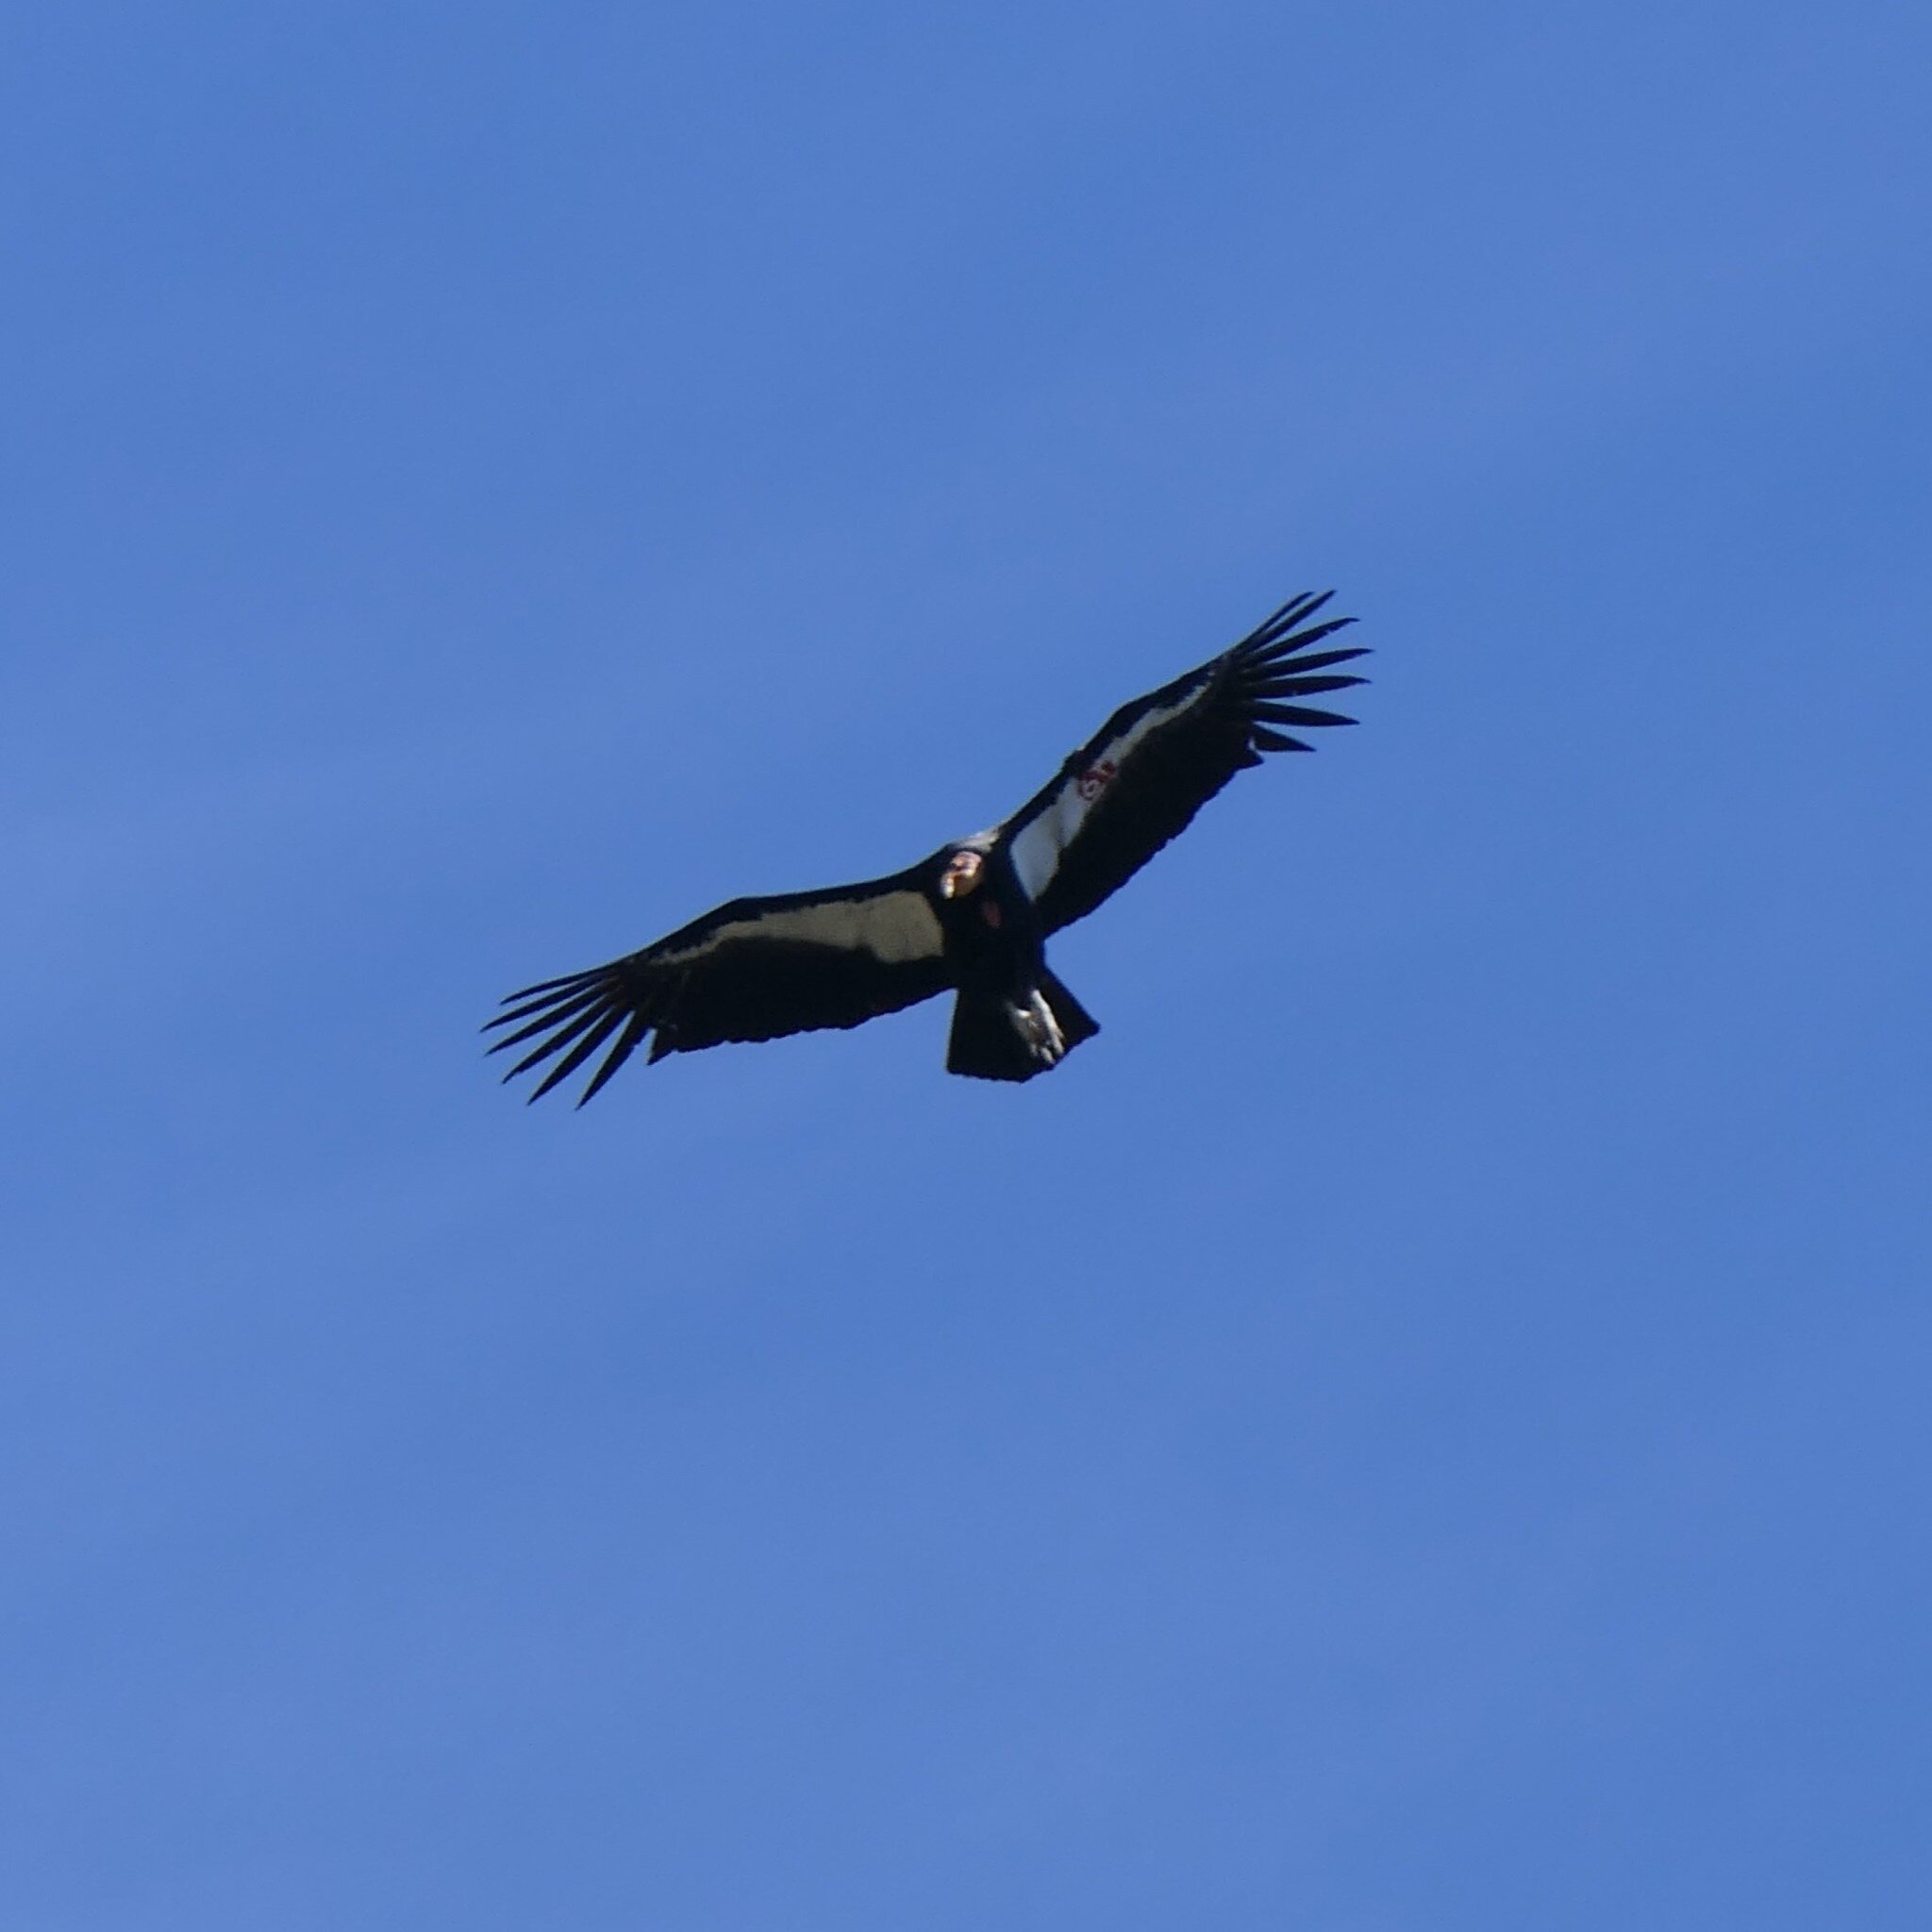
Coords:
pixel 1421 1425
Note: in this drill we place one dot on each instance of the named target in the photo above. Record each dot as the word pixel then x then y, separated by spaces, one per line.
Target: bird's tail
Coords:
pixel 1012 1038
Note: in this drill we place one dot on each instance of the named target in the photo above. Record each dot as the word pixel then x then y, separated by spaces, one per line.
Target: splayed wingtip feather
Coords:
pixel 571 1030
pixel 580 1052
pixel 554 1016
pixel 626 1044
pixel 1297 714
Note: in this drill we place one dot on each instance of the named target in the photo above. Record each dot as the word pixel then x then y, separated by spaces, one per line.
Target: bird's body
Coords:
pixel 973 918
pixel 1012 1018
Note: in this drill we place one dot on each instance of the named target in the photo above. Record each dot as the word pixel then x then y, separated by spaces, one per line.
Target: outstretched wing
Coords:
pixel 1157 761
pixel 752 970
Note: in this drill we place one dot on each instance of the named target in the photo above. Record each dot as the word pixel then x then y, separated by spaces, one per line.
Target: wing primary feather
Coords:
pixel 1292 614
pixel 525 992
pixel 1320 662
pixel 1301 640
pixel 1287 613
pixel 558 1040
pixel 580 1053
pixel 549 1003
pixel 1276 741
pixel 625 1045
pixel 1302 687
pixel 1297 611
pixel 543 1021
pixel 1273 626
pixel 1296 714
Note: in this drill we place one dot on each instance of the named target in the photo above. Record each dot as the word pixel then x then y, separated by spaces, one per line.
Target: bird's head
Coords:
pixel 963 872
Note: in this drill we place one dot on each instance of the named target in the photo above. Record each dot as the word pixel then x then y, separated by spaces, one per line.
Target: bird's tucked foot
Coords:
pixel 1034 1020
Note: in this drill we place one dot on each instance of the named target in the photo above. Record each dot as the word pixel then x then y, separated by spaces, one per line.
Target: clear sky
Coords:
pixel 1422 1424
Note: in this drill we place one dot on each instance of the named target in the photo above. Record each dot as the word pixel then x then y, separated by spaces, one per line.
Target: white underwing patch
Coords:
pixel 1039 845
pixel 894 929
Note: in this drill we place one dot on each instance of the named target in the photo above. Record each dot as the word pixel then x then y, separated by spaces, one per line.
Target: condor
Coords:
pixel 973 919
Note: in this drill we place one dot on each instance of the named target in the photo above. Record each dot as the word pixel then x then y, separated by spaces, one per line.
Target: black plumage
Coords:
pixel 973 918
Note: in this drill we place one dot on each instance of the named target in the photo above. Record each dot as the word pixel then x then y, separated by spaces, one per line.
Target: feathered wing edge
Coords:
pixel 579 1011
pixel 1148 774
pixel 1268 665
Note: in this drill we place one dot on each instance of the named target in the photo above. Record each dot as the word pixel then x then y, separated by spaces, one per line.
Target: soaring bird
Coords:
pixel 973 918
